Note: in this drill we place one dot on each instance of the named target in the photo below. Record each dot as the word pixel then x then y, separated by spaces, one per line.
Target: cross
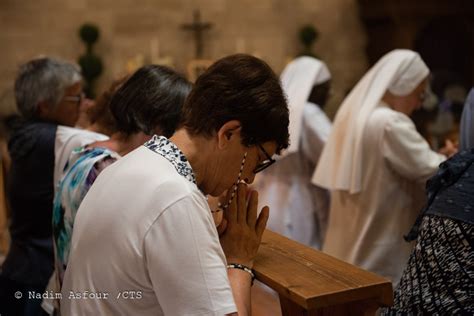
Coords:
pixel 198 28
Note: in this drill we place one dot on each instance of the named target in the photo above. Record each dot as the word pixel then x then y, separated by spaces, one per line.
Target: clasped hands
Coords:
pixel 242 227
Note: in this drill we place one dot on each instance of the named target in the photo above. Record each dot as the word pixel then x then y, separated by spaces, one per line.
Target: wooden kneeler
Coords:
pixel 310 282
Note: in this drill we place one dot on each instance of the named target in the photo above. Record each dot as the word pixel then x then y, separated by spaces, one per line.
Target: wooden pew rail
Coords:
pixel 309 282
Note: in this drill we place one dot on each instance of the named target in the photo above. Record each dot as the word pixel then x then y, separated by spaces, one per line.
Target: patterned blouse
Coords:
pixel 81 171
pixel 164 147
pixel 439 276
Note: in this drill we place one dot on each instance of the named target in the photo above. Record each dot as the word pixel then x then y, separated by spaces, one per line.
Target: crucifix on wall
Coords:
pixel 197 27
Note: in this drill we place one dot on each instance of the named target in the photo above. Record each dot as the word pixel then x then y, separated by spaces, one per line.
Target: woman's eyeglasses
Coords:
pixel 266 163
pixel 75 98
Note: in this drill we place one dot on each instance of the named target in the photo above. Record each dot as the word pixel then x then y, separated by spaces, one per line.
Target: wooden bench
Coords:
pixel 309 282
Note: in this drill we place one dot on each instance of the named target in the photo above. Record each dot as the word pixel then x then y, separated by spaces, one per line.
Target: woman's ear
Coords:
pixel 227 133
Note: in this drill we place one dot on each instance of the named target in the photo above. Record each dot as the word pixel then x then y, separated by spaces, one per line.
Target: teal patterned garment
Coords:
pixel 80 173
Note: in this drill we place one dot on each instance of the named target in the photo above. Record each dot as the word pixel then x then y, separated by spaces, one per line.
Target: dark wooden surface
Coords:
pixel 310 282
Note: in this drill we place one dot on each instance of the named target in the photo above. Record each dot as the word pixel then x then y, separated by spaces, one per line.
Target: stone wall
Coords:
pixel 131 28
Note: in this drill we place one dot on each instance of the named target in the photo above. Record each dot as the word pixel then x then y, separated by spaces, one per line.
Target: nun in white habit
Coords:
pixel 375 164
pixel 298 208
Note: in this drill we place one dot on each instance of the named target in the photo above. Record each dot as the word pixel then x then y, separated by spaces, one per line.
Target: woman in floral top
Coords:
pixel 149 102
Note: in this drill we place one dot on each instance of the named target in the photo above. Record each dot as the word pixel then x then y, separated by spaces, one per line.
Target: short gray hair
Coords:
pixel 43 80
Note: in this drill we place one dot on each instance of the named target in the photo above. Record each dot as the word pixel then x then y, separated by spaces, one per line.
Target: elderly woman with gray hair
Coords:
pixel 48 92
pixel 375 163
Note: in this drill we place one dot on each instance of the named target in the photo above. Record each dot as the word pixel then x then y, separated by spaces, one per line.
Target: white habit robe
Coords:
pixel 375 164
pixel 298 209
pixel 367 228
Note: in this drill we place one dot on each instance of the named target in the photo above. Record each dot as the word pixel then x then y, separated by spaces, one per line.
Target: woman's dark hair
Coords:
pixel 239 87
pixel 151 99
pixel 100 114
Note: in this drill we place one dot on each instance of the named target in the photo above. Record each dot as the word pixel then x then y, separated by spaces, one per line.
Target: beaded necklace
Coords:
pixel 221 207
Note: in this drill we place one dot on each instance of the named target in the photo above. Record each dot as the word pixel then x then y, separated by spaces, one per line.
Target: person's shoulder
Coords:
pixel 64 133
pixel 43 129
pixel 44 124
pixel 171 194
pixel 91 155
pixel 314 110
pixel 66 130
pixel 384 111
pixel 386 117
pixel 144 168
pixel 44 132
pixel 28 134
pixel 142 159
pixel 75 137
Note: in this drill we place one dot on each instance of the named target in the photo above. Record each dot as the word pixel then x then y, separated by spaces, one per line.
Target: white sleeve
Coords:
pixel 407 152
pixel 316 129
pixel 185 261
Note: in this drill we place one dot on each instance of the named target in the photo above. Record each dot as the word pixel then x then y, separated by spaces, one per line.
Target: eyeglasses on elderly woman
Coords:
pixel 75 98
pixel 266 163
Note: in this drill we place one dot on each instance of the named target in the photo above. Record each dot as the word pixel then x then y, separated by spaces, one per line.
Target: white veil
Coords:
pixel 298 79
pixel 340 164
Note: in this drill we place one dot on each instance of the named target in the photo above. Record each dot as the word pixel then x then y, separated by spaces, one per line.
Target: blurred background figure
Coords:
pixel 97 124
pixel 148 103
pixel 48 93
pixel 467 123
pixel 299 208
pixel 438 276
pixel 375 164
